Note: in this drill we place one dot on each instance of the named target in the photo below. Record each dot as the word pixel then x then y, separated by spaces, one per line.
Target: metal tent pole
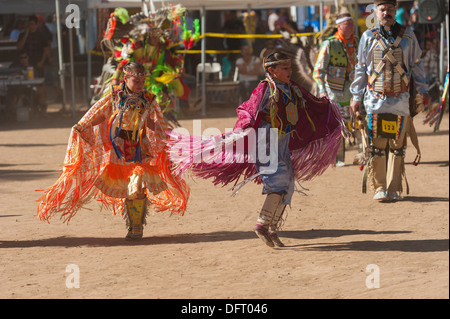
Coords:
pixel 89 57
pixel 448 46
pixel 321 16
pixel 72 71
pixel 441 55
pixel 60 55
pixel 203 58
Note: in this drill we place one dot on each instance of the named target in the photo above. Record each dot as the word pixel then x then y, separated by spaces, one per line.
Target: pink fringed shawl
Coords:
pixel 218 158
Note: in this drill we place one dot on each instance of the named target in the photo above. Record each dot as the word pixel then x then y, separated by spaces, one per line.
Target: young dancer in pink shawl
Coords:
pixel 283 134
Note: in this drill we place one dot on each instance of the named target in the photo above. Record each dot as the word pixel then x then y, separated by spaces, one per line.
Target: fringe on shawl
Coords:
pixel 75 185
pixel 214 158
pixel 175 197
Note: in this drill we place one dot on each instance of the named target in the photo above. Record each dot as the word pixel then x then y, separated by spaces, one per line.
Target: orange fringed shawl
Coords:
pixel 93 170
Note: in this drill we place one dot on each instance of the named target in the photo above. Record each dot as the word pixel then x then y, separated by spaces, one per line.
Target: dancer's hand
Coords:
pixel 356 106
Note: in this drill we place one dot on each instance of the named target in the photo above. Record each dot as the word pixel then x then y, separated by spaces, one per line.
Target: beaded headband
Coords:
pixel 266 64
pixel 129 74
pixel 338 21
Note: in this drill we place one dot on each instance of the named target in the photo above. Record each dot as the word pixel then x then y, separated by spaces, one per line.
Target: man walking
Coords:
pixel 334 68
pixel 388 58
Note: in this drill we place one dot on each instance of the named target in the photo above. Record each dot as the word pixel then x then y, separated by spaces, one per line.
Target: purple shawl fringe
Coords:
pixel 215 158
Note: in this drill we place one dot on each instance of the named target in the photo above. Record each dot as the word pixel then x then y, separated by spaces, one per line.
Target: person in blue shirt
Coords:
pixel 389 57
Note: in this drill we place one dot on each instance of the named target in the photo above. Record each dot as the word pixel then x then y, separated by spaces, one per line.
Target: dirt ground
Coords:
pixel 339 242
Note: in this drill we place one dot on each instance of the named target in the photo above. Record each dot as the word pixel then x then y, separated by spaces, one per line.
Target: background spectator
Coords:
pixel 249 67
pixel 18 28
pixel 37 46
pixel 273 17
pixel 15 92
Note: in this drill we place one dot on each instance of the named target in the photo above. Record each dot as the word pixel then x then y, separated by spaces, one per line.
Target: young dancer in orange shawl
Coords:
pixel 117 155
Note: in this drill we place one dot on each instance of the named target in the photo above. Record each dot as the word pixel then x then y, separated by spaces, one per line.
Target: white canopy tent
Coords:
pixel 36 6
pixel 203 5
pixel 59 6
pixel 216 4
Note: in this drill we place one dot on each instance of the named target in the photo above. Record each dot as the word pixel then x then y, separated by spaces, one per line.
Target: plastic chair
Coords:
pixel 210 68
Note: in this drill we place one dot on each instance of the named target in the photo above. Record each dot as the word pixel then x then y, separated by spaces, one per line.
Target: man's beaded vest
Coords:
pixel 388 77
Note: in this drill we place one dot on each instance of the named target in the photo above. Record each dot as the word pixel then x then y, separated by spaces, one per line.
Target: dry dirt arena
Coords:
pixel 339 242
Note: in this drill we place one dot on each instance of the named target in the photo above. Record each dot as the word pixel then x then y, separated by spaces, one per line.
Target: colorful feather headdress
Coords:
pixel 150 41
